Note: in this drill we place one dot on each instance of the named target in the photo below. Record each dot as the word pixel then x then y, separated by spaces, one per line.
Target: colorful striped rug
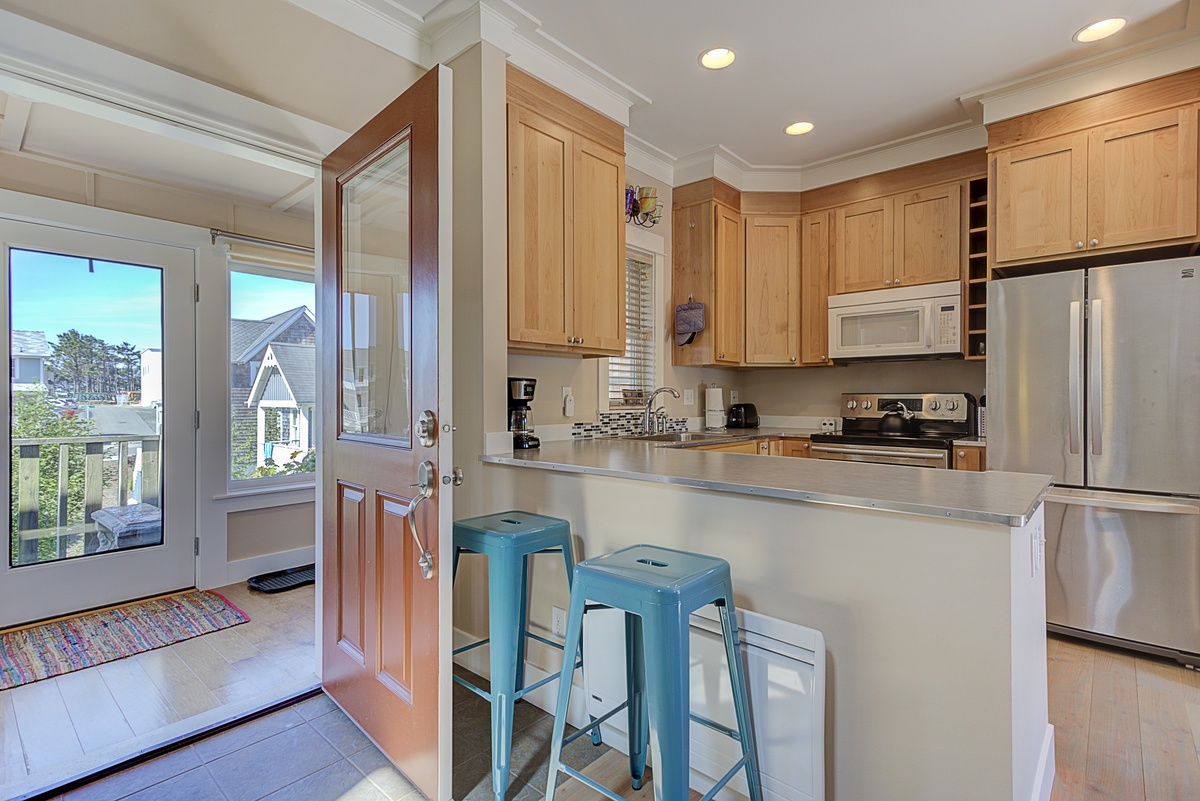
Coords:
pixel 74 643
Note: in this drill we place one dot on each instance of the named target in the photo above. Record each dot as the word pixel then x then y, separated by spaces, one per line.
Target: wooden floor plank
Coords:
pixel 1171 768
pixel 12 757
pixel 1114 738
pixel 1070 701
pixel 47 734
pixel 94 712
pixel 144 706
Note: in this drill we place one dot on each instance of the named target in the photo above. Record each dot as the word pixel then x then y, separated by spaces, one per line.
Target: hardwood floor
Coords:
pixel 1126 726
pixel 58 725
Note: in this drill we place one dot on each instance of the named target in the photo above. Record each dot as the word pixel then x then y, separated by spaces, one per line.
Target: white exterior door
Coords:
pixel 102 447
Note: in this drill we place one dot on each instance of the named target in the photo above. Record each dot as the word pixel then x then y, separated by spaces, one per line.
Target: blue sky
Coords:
pixel 121 302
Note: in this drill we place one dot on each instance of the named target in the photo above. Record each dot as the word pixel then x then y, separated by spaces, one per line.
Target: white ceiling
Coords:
pixel 295 76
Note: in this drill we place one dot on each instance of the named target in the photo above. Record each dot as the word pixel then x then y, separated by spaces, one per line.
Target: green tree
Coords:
pixel 35 417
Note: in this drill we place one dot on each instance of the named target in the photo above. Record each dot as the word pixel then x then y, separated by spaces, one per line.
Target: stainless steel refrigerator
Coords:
pixel 1094 377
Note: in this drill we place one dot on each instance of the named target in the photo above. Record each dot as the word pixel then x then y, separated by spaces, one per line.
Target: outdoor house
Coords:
pixel 285 396
pixel 29 354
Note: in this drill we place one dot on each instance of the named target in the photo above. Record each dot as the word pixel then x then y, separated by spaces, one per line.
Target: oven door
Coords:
pixel 916 457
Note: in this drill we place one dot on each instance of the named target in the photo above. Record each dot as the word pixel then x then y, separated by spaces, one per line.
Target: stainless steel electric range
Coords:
pixel 898 428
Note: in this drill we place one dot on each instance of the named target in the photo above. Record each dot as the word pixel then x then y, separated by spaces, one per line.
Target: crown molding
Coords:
pixel 380 22
pixel 644 157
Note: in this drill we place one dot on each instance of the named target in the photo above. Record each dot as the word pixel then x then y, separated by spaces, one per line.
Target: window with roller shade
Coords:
pixel 631 377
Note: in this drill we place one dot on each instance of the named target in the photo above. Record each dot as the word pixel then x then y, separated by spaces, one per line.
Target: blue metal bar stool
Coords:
pixel 508 540
pixel 658 588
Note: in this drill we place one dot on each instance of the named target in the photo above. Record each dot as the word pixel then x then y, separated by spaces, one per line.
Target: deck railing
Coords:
pixel 28 455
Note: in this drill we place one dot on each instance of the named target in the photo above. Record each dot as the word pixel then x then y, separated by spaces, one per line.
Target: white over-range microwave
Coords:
pixel 905 322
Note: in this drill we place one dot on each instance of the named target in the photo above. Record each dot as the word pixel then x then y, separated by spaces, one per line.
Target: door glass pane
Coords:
pixel 87 404
pixel 882 328
pixel 376 331
pixel 272 376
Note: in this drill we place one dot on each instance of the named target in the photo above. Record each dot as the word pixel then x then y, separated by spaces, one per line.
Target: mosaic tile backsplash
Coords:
pixel 620 424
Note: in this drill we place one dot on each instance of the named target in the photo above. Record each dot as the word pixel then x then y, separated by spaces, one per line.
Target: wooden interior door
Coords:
pixel 1142 179
pixel 1041 198
pixel 381 212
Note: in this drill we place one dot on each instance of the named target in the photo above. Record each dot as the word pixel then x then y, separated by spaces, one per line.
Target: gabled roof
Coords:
pixel 297 364
pixel 30 343
pixel 248 337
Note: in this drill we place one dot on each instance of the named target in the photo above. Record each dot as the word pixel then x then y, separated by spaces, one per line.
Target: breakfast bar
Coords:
pixel 928 586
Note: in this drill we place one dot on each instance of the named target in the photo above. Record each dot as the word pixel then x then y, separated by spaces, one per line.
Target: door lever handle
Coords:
pixel 424 486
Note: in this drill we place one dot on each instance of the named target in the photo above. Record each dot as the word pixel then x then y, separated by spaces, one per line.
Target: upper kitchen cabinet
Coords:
pixel 566 227
pixel 772 290
pixel 914 238
pixel 815 232
pixel 707 266
pixel 1106 174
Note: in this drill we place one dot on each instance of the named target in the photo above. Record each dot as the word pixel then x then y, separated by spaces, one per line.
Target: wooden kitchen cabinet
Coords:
pixel 815 232
pixel 970 457
pixel 796 446
pixel 913 238
pixel 746 446
pixel 772 259
pixel 566 232
pixel 707 266
pixel 1126 184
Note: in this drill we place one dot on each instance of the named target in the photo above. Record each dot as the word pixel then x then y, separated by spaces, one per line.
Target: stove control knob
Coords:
pixel 951 405
pixel 866 404
pixel 851 404
pixel 934 406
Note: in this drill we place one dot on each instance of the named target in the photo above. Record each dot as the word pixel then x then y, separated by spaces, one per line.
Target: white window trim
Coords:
pixel 651 245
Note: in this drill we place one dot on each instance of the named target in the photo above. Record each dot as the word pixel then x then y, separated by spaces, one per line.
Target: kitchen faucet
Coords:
pixel 649 421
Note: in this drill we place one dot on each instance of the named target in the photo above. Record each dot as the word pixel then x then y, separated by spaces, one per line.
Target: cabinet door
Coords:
pixel 928 236
pixel 729 304
pixel 539 237
pixel 598 226
pixel 772 290
pixel 815 231
pixel 969 459
pixel 733 447
pixel 797 447
pixel 863 253
pixel 692 277
pixel 1041 198
pixel 1142 180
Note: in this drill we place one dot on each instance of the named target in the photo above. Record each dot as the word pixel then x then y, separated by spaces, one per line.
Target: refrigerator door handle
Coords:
pixel 1095 390
pixel 1100 500
pixel 1075 377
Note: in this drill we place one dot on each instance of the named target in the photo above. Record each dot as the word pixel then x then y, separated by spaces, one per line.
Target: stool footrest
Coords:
pixel 741 763
pixel 521 692
pixel 574 774
pixel 595 723
pixel 465 648
pixel 484 695
pixel 544 641
pixel 733 734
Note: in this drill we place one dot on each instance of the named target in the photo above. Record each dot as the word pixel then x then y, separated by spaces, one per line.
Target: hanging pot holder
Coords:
pixel 689 321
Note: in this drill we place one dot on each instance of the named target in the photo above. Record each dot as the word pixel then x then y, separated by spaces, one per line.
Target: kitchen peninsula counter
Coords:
pixel 1007 499
pixel 927 585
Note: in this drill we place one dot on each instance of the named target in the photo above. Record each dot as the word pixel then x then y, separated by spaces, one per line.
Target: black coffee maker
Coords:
pixel 520 416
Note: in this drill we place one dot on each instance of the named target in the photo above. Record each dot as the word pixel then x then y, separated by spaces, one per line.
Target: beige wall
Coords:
pixel 258 532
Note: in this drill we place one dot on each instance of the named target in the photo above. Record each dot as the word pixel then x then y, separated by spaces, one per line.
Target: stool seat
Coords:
pixel 508 539
pixel 658 589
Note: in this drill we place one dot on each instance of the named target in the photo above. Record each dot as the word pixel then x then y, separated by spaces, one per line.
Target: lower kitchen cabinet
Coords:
pixel 970 457
pixel 796 446
pixel 746 446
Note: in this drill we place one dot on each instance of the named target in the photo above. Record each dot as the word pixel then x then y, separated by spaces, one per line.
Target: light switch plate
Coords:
pixel 733 396
pixel 689 397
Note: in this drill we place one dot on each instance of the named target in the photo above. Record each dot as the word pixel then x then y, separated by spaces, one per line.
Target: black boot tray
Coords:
pixel 282 580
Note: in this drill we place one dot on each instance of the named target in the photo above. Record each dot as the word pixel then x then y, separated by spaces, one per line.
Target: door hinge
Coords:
pixel 197 419
pixel 197 549
pixel 197 293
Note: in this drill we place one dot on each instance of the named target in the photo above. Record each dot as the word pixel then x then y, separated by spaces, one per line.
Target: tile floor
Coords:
pixel 312 752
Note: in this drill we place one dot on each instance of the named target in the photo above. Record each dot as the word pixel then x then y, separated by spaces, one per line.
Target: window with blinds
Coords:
pixel 631 377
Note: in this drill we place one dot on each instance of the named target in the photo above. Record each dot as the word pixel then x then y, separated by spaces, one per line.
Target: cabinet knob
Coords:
pixel 888 282
pixel 793 358
pixel 1095 242
pixel 824 358
pixel 962 454
pixel 580 340
pixel 1078 245
pixel 720 355
pixel 897 282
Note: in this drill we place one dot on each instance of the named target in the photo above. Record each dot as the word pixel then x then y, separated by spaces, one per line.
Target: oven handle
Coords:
pixel 867 452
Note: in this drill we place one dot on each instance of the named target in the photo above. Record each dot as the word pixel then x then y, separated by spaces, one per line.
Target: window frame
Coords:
pixel 239 486
pixel 651 247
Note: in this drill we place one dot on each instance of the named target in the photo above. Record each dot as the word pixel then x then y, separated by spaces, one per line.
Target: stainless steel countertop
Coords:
pixel 1007 499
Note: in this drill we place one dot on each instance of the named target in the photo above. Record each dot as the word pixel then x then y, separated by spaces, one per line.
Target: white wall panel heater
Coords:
pixel 785 671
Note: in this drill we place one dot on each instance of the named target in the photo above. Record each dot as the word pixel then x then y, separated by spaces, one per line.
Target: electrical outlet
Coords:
pixel 733 396
pixel 558 622
pixel 689 397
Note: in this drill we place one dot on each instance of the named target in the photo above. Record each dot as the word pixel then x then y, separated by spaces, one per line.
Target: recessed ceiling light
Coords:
pixel 797 128
pixel 1099 30
pixel 717 59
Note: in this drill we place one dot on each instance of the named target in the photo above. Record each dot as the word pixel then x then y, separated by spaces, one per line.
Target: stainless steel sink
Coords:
pixel 679 436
